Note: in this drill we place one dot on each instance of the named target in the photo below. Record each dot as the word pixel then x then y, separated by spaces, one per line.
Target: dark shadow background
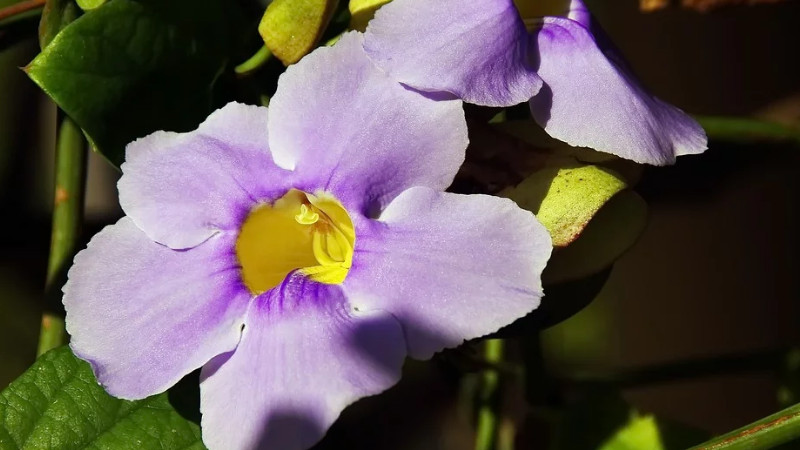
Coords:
pixel 714 273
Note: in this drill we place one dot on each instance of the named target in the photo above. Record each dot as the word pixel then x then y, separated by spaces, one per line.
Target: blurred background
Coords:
pixel 714 274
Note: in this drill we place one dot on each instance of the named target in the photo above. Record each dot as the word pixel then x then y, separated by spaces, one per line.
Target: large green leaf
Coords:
pixel 57 404
pixel 128 68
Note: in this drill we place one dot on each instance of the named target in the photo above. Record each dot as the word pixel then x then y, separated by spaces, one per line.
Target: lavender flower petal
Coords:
pixel 474 50
pixel 588 101
pixel 305 355
pixel 449 267
pixel 144 315
pixel 182 188
pixel 360 134
pixel 579 13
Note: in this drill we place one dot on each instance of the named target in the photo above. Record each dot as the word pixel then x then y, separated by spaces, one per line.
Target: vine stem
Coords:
pixel 489 398
pixel 768 432
pixel 261 57
pixel 70 180
pixel 743 129
pixel 19 8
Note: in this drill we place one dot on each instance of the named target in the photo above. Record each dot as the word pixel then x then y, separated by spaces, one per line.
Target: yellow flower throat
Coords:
pixel 298 231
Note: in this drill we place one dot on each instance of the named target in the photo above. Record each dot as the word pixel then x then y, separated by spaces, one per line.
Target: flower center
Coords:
pixel 298 231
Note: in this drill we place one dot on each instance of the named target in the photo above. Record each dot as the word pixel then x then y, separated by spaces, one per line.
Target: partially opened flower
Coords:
pixel 580 92
pixel 298 255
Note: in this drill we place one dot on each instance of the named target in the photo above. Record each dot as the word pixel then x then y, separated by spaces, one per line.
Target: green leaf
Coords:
pixel 362 11
pixel 640 432
pixel 90 4
pixel 129 68
pixel 601 419
pixel 58 404
pixel 565 195
pixel 56 15
pixel 609 234
pixel 292 28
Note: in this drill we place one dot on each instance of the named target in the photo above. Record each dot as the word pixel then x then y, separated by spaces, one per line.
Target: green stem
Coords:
pixel 489 400
pixel 70 179
pixel 20 8
pixel 738 129
pixel 255 62
pixel 771 431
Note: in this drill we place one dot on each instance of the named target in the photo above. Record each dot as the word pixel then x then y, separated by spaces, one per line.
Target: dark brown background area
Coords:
pixel 716 270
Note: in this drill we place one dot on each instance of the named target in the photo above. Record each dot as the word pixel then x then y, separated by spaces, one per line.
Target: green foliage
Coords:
pixel 57 404
pixel 601 419
pixel 56 15
pixel 90 4
pixel 292 28
pixel 362 12
pixel 609 234
pixel 641 431
pixel 128 68
pixel 565 195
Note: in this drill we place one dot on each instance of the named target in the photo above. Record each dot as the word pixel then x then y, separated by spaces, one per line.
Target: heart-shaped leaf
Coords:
pixel 57 404
pixel 129 68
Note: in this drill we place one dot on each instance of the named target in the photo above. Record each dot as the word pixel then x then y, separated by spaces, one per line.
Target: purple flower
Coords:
pixel 580 92
pixel 298 255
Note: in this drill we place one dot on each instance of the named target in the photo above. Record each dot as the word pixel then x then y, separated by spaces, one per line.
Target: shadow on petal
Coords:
pixel 379 340
pixel 542 103
pixel 289 430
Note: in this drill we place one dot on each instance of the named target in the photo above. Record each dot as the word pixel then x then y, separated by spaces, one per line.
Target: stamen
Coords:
pixel 307 216
pixel 298 231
